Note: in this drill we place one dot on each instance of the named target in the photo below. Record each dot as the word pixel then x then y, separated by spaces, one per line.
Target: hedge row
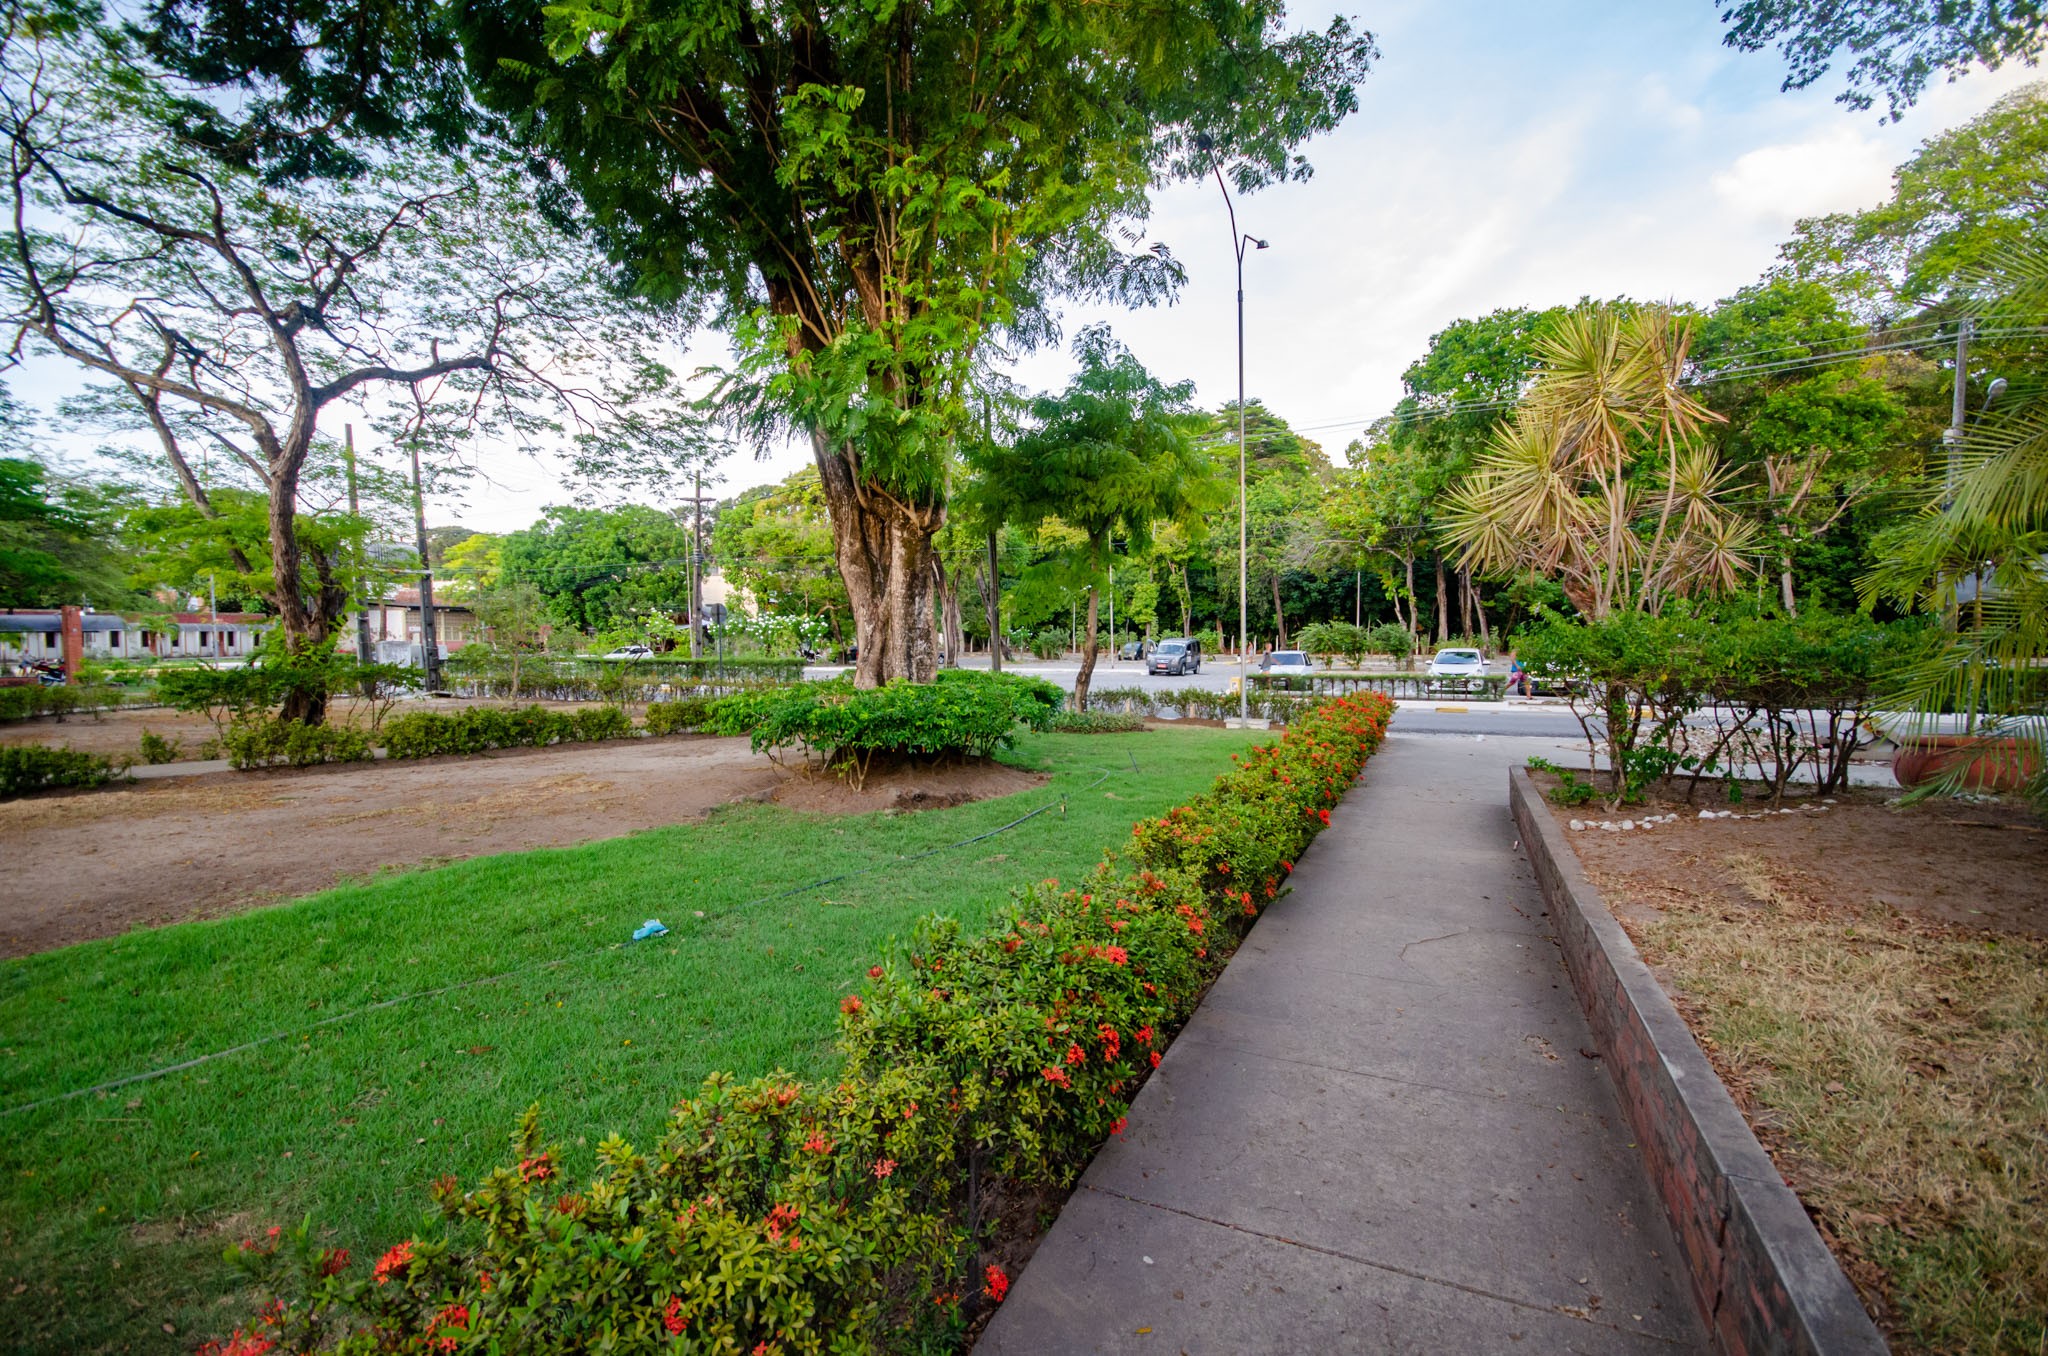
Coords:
pixel 776 1216
pixel 423 734
pixel 36 699
pixel 37 767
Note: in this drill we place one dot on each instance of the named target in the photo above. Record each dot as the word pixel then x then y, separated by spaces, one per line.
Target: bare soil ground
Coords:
pixel 904 788
pixel 1972 864
pixel 1871 982
pixel 114 733
pixel 97 863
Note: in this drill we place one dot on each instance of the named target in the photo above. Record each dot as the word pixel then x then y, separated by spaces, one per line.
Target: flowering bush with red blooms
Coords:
pixel 791 1218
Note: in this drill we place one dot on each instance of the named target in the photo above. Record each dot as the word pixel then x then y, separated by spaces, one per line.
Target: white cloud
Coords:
pixel 1836 170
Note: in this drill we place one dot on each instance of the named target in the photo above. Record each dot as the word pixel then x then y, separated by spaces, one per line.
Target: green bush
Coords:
pixel 35 699
pixel 480 729
pixel 37 767
pixel 962 711
pixel 683 713
pixel 1338 638
pixel 594 723
pixel 263 741
pixel 156 749
pixel 1096 722
pixel 1388 638
pixel 841 1216
pixel 1777 693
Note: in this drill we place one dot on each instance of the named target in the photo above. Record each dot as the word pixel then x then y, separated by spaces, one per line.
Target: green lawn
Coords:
pixel 118 1205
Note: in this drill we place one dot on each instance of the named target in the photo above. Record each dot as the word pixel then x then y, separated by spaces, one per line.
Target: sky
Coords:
pixel 1505 153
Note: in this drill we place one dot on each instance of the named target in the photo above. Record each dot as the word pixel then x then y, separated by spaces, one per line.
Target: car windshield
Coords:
pixel 1289 657
pixel 1170 647
pixel 1458 657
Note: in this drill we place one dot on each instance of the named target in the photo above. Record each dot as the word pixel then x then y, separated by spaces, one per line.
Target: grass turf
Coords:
pixel 118 1205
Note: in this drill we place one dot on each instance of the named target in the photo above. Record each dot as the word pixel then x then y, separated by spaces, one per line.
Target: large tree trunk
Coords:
pixel 884 550
pixel 1479 610
pixel 1088 651
pixel 1279 618
pixel 1464 587
pixel 307 629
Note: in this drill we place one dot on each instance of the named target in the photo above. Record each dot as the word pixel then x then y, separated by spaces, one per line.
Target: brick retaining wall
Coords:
pixel 1763 1279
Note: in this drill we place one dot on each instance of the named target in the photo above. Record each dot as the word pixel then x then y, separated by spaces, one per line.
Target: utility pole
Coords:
pixel 697 501
pixel 348 451
pixel 696 563
pixel 430 644
pixel 1112 616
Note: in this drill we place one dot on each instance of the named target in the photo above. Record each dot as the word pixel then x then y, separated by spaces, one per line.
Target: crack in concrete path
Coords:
pixel 1533 1306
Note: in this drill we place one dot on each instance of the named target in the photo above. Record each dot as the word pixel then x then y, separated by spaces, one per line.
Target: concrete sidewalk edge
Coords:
pixel 1762 1276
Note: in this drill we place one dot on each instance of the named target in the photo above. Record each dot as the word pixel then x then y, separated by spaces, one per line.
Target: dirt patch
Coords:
pixel 1871 983
pixel 1974 865
pixel 905 788
pixel 197 847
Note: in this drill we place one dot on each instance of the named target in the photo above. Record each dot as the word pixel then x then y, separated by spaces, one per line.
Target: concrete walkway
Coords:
pixel 1378 1133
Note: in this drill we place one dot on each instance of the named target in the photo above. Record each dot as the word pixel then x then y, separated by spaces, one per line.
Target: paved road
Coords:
pixel 1378 1133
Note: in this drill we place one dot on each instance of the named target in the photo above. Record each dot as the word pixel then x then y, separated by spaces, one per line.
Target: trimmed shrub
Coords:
pixel 1096 722
pixel 36 699
pixel 594 723
pixel 263 741
pixel 37 767
pixel 674 717
pixel 425 734
pixel 841 1216
pixel 961 712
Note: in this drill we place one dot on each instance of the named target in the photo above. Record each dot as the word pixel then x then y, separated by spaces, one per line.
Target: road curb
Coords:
pixel 1762 1277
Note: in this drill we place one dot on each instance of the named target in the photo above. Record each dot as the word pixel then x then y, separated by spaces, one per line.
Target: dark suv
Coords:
pixel 1179 656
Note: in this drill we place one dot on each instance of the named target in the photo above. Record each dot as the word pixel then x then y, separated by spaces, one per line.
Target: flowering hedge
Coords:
pixel 779 1217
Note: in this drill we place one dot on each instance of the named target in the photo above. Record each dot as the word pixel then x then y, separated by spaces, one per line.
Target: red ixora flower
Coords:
pixel 1324 815
pixel 1116 955
pixel 454 1316
pixel 394 1262
pixel 884 1166
pixel 998 1284
pixel 817 1143
pixel 850 1005
pixel 1116 1127
pixel 537 1169
pixel 1155 1059
pixel 1143 1035
pixel 1075 1054
pixel 874 972
pixel 1058 1076
pixel 333 1261
pixel 672 1317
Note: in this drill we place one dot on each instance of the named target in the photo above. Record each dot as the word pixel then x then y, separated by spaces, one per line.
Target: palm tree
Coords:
pixel 1570 488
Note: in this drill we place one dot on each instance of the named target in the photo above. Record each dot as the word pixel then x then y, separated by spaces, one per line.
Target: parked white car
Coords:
pixel 1293 662
pixel 1457 664
pixel 631 652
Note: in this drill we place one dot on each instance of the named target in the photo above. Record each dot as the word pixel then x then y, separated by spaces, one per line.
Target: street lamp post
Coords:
pixel 1238 241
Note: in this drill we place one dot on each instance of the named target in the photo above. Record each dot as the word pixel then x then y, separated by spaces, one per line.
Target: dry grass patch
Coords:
pixel 1898 1071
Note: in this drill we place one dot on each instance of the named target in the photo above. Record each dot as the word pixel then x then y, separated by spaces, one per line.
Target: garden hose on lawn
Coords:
pixel 245 1046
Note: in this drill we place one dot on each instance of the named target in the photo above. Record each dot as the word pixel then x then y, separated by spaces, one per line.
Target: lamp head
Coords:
pixel 1994 391
pixel 1260 243
pixel 1204 142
